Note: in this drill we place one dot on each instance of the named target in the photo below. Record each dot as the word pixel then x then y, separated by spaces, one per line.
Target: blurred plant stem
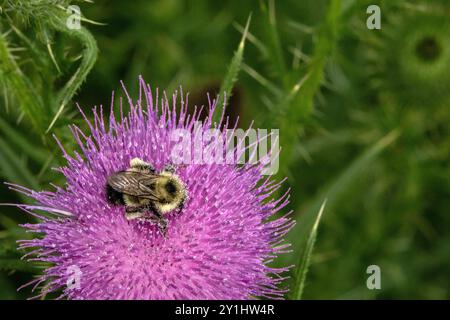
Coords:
pixel 296 105
pixel 304 261
pixel 226 88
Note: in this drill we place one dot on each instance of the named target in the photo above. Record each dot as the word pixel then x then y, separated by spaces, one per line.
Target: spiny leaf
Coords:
pixel 15 170
pixel 32 150
pixel 35 53
pixel 90 53
pixel 232 73
pixel 263 81
pixel 305 258
pixel 253 39
pixel 52 56
pixel 274 46
pixel 15 81
pixel 326 39
pixel 297 105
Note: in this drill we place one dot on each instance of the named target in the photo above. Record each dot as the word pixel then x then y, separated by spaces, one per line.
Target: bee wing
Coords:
pixel 133 183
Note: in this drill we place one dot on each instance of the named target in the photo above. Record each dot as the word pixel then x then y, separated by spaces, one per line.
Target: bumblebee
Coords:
pixel 146 194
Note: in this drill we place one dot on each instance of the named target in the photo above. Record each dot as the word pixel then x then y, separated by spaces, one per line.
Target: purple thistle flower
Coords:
pixel 217 247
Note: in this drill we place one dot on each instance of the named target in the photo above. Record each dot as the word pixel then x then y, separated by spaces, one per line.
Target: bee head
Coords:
pixel 171 187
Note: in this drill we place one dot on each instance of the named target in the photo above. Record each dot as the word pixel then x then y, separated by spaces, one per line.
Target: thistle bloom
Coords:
pixel 218 247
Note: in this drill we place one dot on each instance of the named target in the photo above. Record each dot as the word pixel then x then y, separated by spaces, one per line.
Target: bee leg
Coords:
pixel 180 207
pixel 132 213
pixel 162 225
pixel 155 217
pixel 160 221
pixel 140 165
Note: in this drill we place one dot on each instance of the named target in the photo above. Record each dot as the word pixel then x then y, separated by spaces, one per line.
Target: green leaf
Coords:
pixel 333 191
pixel 8 247
pixel 7 223
pixel 16 264
pixel 232 73
pixel 9 288
pixel 13 79
pixel 305 258
pixel 274 46
pixel 35 53
pixel 262 80
pixel 16 171
pixel 296 106
pixel 22 142
pixel 90 52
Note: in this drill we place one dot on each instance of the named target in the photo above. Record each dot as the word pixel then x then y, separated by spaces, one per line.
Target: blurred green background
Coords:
pixel 363 116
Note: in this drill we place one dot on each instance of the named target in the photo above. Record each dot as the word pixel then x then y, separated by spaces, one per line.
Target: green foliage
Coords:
pixel 305 258
pixel 231 76
pixel 363 118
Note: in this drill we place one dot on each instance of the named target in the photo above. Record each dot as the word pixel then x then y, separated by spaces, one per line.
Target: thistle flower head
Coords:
pixel 218 247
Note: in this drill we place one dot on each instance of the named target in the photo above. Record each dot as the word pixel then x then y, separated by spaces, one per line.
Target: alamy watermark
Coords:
pixel 73 277
pixel 73 22
pixel 374 280
pixel 234 146
pixel 374 20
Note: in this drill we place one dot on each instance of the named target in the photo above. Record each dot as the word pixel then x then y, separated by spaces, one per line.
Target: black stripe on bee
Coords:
pixel 113 196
